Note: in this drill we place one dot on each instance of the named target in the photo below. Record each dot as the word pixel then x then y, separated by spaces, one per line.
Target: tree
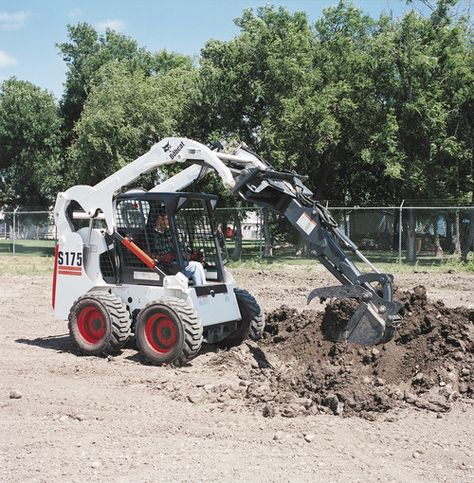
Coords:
pixel 432 94
pixel 243 80
pixel 370 110
pixel 304 98
pixel 335 127
pixel 87 51
pixel 30 161
pixel 124 115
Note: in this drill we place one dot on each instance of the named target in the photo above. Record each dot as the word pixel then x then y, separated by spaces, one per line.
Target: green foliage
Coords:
pixel 431 91
pixel 124 115
pixel 30 161
pixel 369 109
pixel 87 51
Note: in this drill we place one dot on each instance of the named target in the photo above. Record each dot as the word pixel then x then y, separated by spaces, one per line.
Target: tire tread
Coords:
pixel 120 320
pixel 192 327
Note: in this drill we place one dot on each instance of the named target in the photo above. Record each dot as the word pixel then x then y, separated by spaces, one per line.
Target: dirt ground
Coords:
pixel 66 417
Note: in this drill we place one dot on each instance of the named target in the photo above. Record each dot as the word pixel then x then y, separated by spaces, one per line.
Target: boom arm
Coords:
pixel 258 182
pixel 101 196
pixel 377 316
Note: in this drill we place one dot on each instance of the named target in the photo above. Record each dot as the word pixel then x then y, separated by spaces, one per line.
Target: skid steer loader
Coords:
pixel 127 262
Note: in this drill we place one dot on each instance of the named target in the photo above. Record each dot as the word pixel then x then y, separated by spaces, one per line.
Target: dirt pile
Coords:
pixel 294 370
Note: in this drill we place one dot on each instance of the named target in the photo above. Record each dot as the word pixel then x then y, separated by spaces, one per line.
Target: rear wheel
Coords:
pixel 99 323
pixel 252 323
pixel 168 332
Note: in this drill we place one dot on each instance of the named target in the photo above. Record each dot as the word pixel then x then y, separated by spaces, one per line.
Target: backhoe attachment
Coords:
pixel 373 322
pixel 376 318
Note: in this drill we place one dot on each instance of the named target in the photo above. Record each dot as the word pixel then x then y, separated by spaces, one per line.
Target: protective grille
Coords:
pixel 195 234
pixel 132 219
pixel 107 265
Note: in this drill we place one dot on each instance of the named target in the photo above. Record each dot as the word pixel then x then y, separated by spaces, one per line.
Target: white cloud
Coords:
pixel 6 60
pixel 113 24
pixel 75 12
pixel 13 20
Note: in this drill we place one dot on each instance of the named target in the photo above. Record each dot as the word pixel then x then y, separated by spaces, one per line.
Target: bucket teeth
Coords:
pixel 373 322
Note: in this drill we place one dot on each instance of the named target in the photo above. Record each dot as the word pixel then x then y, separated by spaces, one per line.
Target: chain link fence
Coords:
pixel 27 233
pixel 408 233
pixel 385 233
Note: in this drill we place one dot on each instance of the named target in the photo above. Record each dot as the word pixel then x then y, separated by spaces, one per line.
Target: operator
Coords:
pixel 164 243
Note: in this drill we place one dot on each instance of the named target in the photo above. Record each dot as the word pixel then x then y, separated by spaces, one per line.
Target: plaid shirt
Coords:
pixel 163 242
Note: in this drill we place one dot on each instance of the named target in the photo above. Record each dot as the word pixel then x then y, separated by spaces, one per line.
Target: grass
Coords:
pixel 26 265
pixel 36 257
pixel 275 264
pixel 385 261
pixel 35 248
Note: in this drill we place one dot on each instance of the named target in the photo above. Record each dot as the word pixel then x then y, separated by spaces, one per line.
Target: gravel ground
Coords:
pixel 66 417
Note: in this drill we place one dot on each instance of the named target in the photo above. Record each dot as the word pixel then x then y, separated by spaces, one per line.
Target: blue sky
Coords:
pixel 29 29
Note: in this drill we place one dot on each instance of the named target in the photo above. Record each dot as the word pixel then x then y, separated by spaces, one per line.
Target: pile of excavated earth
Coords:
pixel 295 370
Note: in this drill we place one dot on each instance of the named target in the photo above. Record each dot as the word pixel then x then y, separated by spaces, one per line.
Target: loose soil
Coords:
pixel 293 407
pixel 428 364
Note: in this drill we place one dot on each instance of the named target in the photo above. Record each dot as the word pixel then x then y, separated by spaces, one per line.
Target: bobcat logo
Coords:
pixel 172 153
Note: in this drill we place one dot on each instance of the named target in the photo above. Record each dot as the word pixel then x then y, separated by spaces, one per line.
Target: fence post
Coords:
pixel 260 247
pixel 400 234
pixel 14 232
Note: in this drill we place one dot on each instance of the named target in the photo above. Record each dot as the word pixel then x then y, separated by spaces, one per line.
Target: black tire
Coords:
pixel 168 331
pixel 253 322
pixel 99 323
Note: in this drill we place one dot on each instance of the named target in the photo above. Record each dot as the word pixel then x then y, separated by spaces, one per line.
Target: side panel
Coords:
pixel 71 280
pixel 94 246
pixel 216 306
pixel 212 309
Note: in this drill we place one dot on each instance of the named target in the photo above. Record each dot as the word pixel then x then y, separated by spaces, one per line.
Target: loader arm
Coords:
pixel 100 198
pixel 255 180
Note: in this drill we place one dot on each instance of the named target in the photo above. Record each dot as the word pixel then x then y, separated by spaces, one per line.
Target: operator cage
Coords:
pixel 172 228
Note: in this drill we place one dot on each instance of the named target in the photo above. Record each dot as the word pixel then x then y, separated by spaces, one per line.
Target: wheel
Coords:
pixel 253 322
pixel 168 332
pixel 99 323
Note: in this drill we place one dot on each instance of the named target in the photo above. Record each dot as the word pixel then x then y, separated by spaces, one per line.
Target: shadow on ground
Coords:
pixel 140 359
pixel 59 343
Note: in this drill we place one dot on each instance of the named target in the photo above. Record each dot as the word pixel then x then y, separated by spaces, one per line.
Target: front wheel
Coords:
pixel 252 323
pixel 99 323
pixel 169 332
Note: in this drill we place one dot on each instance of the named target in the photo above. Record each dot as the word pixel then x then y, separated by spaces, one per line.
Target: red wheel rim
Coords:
pixel 161 332
pixel 91 324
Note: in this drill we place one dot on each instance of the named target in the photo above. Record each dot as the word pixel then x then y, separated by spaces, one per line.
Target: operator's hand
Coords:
pixel 198 256
pixel 167 258
pixel 164 259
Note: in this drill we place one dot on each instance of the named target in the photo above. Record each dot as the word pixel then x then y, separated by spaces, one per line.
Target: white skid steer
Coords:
pixel 149 263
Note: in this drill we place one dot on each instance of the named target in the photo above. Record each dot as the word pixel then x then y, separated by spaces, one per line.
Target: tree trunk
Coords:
pixel 470 235
pixel 396 230
pixel 302 247
pixel 266 230
pixel 438 251
pixel 449 232
pixel 457 236
pixel 411 249
pixel 346 224
pixel 237 253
